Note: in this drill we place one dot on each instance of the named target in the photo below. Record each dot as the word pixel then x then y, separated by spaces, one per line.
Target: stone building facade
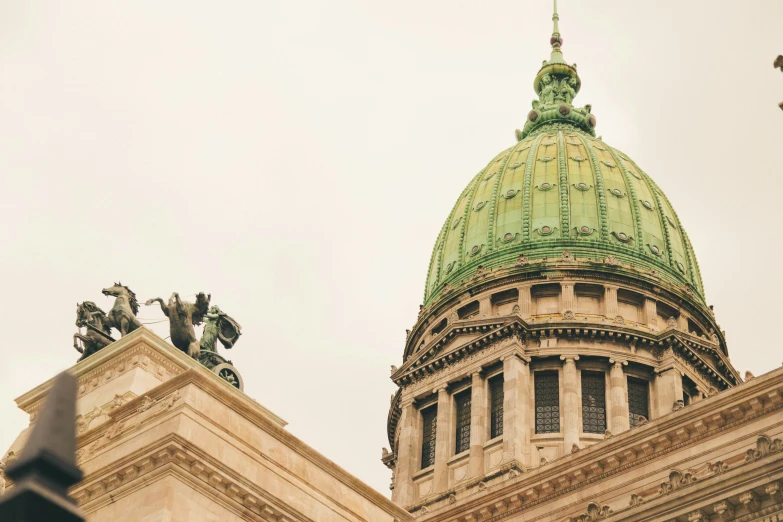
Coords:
pixel 565 364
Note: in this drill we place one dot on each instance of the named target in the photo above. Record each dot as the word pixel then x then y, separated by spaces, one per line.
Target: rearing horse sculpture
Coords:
pixel 98 332
pixel 182 316
pixel 122 316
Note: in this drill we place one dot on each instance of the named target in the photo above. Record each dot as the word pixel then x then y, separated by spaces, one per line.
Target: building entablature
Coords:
pixel 721 456
pixel 700 354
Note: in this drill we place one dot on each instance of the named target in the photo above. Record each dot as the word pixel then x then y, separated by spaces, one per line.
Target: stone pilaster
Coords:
pixel 651 314
pixel 525 301
pixel 668 390
pixel 571 408
pixel 407 456
pixel 442 442
pixel 567 301
pixel 485 307
pixel 478 426
pixel 610 302
pixel 516 410
pixel 618 397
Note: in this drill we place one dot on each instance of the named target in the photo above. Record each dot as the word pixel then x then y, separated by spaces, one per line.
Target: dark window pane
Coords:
pixel 547 402
pixel 496 406
pixel 463 421
pixel 593 402
pixel 638 406
pixel 429 420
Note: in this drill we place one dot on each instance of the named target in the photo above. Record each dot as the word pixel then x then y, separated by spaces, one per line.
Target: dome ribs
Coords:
pixel 493 200
pixel 565 209
pixel 600 189
pixel 634 198
pixel 526 225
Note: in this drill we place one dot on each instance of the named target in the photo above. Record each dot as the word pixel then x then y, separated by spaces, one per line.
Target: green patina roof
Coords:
pixel 561 189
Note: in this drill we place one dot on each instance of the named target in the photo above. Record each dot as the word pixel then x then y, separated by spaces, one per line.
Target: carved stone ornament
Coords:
pixel 452 498
pixel 750 500
pixel 568 315
pixel 619 319
pixel 521 260
pixel 775 491
pixel 719 467
pixel 117 401
pixel 678 405
pixel 515 310
pixel 749 376
pixel 393 369
pixel 607 434
pixel 568 257
pixel 611 260
pixel 453 317
pixel 81 424
pixel 594 512
pixel 671 322
pixel 575 448
pixel 724 510
pixel 636 500
pixel 764 447
pixel 677 480
pixel 698 516
pixel 146 404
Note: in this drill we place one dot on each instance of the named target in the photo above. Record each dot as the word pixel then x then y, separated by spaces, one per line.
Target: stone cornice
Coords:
pixel 431 359
pixel 687 427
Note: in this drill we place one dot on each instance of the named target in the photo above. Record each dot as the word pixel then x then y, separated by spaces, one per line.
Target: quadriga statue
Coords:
pixel 182 317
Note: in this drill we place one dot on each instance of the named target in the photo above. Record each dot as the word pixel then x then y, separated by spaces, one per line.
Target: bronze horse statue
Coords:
pixel 97 335
pixel 122 316
pixel 182 316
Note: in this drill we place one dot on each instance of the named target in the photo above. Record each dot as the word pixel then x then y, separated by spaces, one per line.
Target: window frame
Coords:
pixel 428 444
pixel 537 397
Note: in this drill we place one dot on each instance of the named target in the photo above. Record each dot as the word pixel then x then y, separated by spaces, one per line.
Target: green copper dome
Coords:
pixel 560 192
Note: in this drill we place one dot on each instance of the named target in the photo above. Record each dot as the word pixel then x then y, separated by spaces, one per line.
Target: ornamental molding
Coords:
pixel 426 365
pixel 176 455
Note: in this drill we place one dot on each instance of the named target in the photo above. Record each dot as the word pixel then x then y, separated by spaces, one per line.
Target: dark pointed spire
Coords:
pixel 47 466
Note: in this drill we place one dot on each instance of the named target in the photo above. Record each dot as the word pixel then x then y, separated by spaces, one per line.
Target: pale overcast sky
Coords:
pixel 297 159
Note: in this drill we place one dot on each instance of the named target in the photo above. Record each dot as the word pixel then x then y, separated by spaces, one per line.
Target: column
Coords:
pixel 618 398
pixel 651 314
pixel 525 301
pixel 567 301
pixel 610 302
pixel 478 426
pixel 442 442
pixel 668 390
pixel 570 412
pixel 407 455
pixel 516 404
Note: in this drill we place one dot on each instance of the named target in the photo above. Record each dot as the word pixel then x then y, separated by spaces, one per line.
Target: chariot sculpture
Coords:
pixel 182 315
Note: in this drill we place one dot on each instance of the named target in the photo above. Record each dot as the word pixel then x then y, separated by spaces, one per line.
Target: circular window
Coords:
pixel 647 205
pixel 480 205
pixel 511 193
pixel 581 186
pixel 617 192
pixel 578 158
pixel 546 186
pixel 585 230
pixel 516 165
pixel 546 229
pixel 508 237
pixel 474 250
pixel 622 236
pixel 655 250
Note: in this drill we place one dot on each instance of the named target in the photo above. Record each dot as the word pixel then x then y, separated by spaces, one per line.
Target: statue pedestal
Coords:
pixel 162 438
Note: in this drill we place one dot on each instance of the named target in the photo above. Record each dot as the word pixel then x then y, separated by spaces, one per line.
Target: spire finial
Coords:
pixel 556 41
